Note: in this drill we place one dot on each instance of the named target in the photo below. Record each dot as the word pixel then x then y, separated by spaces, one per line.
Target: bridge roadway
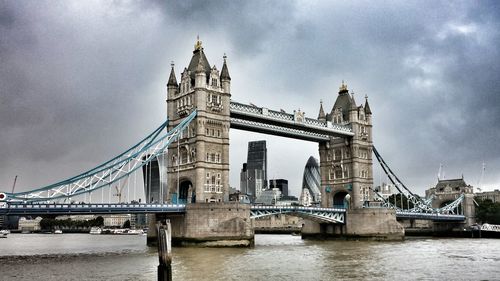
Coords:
pixel 333 215
pixel 94 208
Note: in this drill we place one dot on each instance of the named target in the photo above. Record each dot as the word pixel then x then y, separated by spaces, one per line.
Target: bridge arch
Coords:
pixel 339 199
pixel 186 191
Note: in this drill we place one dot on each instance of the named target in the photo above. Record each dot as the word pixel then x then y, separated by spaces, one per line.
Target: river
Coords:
pixel 274 257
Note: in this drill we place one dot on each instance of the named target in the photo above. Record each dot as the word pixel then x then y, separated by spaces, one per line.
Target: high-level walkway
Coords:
pixel 279 123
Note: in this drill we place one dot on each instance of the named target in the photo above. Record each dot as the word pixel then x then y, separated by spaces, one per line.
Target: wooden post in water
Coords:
pixel 164 251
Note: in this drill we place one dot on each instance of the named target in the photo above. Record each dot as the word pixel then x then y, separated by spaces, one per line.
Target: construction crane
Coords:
pixel 480 181
pixel 14 185
pixel 119 191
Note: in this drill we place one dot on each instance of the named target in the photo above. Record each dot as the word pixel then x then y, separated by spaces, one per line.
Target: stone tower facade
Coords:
pixel 198 164
pixel 346 163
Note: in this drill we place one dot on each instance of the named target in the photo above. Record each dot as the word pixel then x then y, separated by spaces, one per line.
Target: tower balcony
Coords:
pixel 215 106
pixel 184 110
pixel 213 188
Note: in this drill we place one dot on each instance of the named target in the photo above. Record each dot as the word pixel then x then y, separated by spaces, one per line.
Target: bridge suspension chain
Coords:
pixel 110 172
pixel 419 204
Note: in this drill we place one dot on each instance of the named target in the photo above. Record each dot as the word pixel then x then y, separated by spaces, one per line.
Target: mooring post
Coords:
pixel 164 251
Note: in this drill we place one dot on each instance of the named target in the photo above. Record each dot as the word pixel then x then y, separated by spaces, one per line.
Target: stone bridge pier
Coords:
pixel 208 225
pixel 369 223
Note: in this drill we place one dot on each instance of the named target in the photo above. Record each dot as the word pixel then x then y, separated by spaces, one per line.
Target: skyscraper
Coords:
pixel 253 177
pixel 280 184
pixel 312 181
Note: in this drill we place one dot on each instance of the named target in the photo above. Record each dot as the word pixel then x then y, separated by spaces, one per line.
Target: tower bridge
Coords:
pixel 183 167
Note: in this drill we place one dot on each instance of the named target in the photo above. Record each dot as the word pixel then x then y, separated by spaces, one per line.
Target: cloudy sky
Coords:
pixel 81 81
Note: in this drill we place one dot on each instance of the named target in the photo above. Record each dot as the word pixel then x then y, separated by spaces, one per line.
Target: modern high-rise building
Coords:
pixel 280 184
pixel 244 179
pixel 151 177
pixel 311 181
pixel 253 176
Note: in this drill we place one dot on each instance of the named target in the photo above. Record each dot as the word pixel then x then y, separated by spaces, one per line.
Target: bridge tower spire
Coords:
pixel 225 78
pixel 198 163
pixel 321 115
pixel 346 163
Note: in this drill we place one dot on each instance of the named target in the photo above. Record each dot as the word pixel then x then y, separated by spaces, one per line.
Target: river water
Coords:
pixel 274 257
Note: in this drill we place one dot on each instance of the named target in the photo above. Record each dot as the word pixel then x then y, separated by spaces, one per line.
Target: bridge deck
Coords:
pixel 328 214
pixel 263 120
pixel 98 208
pixel 429 216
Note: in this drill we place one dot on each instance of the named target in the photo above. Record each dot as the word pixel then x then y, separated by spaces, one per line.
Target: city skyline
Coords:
pixel 83 81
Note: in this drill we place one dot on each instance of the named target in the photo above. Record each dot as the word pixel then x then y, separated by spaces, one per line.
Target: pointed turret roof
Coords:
pixel 353 102
pixel 172 81
pixel 343 101
pixel 224 74
pixel 198 59
pixel 321 111
pixel 367 106
pixel 201 68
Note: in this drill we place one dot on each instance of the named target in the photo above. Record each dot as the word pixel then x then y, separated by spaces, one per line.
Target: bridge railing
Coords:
pixel 295 208
pixel 288 118
pixel 429 216
pixel 92 208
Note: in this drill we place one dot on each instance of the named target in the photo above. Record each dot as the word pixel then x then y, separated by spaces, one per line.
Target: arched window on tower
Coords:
pixel 338 154
pixel 213 184
pixel 338 173
pixel 184 155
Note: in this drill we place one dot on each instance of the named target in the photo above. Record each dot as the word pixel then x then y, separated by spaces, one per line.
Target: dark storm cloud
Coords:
pixel 69 82
pixel 81 81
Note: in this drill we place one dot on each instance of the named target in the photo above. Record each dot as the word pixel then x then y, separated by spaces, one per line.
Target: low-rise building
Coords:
pixel 268 197
pixel 139 221
pixel 494 195
pixel 116 220
pixel 76 217
pixel 306 199
pixel 239 197
pixel 29 224
pixel 385 191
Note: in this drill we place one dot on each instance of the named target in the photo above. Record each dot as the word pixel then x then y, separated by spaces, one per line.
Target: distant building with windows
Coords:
pixel 288 201
pixel 494 195
pixel 239 197
pixel 385 191
pixel 306 199
pixel 269 197
pixel 253 176
pixel 28 225
pixel 76 217
pixel 280 184
pixel 116 220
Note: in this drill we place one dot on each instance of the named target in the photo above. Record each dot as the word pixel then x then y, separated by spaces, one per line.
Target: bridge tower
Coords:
pixel 346 163
pixel 198 164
